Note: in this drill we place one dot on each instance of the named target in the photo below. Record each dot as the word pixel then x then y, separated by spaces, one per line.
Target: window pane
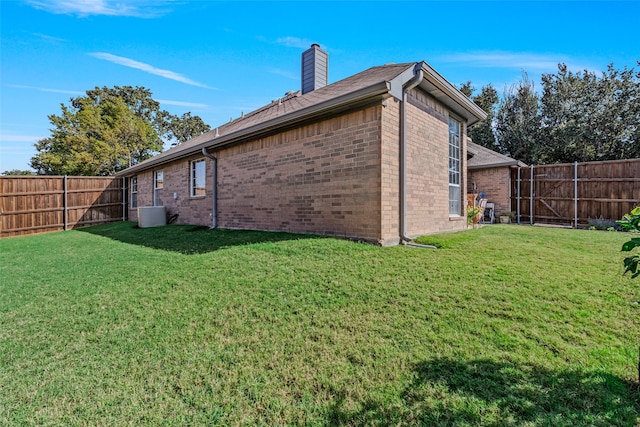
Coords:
pixel 158 183
pixel 198 178
pixel 455 204
pixel 134 192
pixel 159 179
pixel 454 200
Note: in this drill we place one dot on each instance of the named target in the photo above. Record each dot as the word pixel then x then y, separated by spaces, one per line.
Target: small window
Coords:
pixel 134 192
pixel 455 195
pixel 158 184
pixel 198 178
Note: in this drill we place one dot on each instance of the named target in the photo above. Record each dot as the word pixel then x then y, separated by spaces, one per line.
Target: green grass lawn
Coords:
pixel 181 325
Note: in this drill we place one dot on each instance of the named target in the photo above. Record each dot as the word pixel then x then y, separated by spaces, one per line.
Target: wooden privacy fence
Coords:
pixel 38 204
pixel 572 194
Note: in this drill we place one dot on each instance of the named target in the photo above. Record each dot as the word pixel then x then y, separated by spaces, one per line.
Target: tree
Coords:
pixel 18 172
pixel 579 117
pixel 518 122
pixel 108 130
pixel 186 127
pixel 588 118
pixel 631 222
pixel 137 98
pixel 95 139
pixel 140 100
pixel 467 89
pixel 482 133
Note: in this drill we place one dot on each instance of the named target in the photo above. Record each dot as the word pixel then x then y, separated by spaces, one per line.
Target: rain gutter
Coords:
pixel 214 189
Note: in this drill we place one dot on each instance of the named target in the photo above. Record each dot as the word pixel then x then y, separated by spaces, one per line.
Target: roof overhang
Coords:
pixel 511 164
pixel 492 165
pixel 438 87
pixel 471 152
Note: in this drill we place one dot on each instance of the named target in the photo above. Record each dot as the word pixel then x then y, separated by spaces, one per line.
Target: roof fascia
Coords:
pixel 459 102
pixel 493 165
pixel 397 84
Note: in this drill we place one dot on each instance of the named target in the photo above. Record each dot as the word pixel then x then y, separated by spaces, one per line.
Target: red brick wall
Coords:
pixel 191 210
pixel 427 168
pixel 496 183
pixel 320 178
pixel 338 176
pixel 390 165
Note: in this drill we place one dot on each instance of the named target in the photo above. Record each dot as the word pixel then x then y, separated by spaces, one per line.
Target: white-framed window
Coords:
pixel 198 178
pixel 158 184
pixel 455 195
pixel 133 200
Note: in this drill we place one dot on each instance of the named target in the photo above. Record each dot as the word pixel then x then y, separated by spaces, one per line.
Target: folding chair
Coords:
pixel 489 213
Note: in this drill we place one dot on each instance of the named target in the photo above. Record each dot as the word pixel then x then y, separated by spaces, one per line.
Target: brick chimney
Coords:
pixel 315 68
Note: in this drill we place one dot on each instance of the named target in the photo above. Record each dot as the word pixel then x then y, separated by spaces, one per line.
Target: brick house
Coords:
pixel 379 156
pixel 490 173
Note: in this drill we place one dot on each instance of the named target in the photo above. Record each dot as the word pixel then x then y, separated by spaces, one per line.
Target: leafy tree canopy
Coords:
pixel 581 116
pixel 185 127
pixel 586 117
pixel 108 130
pixel 631 222
pixel 18 172
pixel 518 122
pixel 482 133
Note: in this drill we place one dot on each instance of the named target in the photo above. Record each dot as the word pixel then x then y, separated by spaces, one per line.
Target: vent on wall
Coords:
pixel 315 68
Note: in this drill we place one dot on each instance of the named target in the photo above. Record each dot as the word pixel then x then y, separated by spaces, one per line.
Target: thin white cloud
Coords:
pixel 299 43
pixel 517 60
pixel 4 138
pixel 131 63
pixel 283 73
pixel 183 104
pixel 49 38
pixel 46 89
pixel 83 8
pixel 294 42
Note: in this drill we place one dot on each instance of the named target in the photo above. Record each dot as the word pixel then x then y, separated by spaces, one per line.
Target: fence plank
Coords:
pixel 606 190
pixel 30 205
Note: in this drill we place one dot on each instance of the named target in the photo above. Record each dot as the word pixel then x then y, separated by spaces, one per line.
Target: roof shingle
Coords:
pixel 290 103
pixel 486 158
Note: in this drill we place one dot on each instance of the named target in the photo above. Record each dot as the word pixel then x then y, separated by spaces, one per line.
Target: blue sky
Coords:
pixel 220 59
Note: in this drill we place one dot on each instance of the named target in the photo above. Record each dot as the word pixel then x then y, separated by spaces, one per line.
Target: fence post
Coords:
pixel 531 197
pixel 65 214
pixel 518 197
pixel 575 194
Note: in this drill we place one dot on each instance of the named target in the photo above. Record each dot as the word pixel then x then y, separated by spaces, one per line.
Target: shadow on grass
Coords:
pixel 487 393
pixel 187 239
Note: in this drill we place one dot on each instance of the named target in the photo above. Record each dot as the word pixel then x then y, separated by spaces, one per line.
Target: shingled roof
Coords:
pixel 359 89
pixel 483 158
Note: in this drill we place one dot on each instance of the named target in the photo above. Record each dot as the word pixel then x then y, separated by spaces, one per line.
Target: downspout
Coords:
pixel 124 198
pixel 214 189
pixel 404 239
